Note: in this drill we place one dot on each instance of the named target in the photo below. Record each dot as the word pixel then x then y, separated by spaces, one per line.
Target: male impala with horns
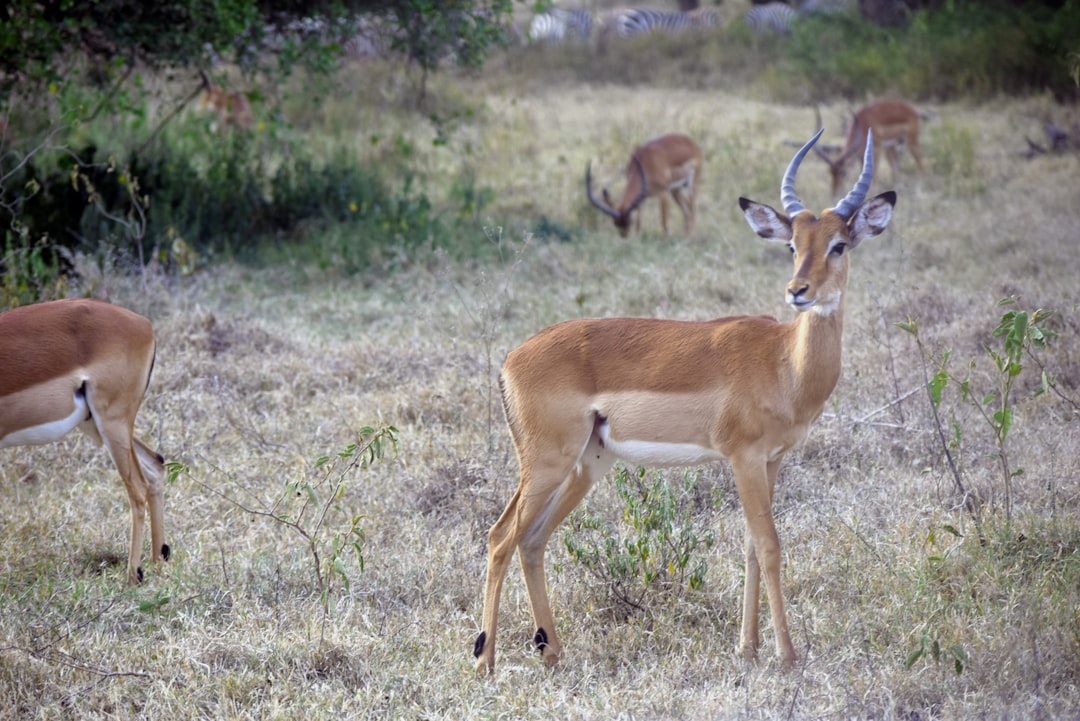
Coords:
pixel 584 393
pixel 668 164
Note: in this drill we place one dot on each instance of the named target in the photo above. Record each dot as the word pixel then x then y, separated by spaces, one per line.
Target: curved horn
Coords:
pixel 791 202
pixel 592 198
pixel 851 202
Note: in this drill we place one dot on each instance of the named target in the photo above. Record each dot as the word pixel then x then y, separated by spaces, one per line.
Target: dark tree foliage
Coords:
pixel 429 31
pixel 39 38
pixel 59 193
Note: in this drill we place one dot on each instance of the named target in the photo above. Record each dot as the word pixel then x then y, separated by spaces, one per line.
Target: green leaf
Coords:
pixel 959 657
pixel 160 599
pixel 918 653
pixel 910 326
pixel 937 384
pixel 1002 422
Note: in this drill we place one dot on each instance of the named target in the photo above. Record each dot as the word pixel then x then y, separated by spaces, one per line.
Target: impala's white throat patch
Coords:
pixel 827 305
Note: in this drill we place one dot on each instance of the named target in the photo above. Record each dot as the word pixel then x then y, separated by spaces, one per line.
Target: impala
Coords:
pixel 584 393
pixel 86 364
pixel 668 164
pixel 894 123
pixel 231 107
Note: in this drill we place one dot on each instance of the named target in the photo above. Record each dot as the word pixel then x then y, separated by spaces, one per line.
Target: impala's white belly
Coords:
pixel 49 432
pixel 654 453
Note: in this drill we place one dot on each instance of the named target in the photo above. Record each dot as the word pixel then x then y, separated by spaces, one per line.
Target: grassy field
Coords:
pixel 263 369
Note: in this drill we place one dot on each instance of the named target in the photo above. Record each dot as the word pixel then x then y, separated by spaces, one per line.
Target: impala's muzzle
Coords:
pixel 797 291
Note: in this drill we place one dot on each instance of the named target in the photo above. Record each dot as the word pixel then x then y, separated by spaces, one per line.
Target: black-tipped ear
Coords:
pixel 889 196
pixel 872 217
pixel 765 221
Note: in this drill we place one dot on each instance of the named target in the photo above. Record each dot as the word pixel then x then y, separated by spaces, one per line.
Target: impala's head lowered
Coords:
pixel 663 166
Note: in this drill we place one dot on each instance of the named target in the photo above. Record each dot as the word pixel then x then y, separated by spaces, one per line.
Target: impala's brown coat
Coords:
pixel 669 164
pixel 231 108
pixel 894 123
pixel 582 394
pixel 86 364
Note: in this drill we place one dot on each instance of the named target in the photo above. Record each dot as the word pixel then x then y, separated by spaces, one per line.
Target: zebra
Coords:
pixel 771 18
pixel 628 23
pixel 557 25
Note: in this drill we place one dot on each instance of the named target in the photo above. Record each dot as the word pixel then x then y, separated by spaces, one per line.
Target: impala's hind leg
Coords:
pixel 112 422
pixel 153 469
pixel 685 198
pixel 123 454
pixel 913 148
pixel 549 482
pixel 549 513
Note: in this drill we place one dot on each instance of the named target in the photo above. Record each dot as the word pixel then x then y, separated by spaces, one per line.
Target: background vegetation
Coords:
pixel 333 294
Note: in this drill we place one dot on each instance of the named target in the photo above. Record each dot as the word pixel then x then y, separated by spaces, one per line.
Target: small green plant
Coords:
pixel 661 552
pixel 941 540
pixel 1021 333
pixel 932 647
pixel 313 509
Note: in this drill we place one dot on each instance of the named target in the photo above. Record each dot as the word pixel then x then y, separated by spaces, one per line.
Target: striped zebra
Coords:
pixel 558 25
pixel 774 18
pixel 632 22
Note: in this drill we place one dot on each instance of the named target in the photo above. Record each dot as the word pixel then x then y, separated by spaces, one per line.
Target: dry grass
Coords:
pixel 261 371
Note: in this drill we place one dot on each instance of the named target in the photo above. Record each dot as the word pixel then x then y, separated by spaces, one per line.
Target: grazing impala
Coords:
pixel 894 123
pixel 230 107
pixel 668 164
pixel 85 363
pixel 584 393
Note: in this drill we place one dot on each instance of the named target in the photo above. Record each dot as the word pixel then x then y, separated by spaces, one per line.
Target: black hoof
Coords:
pixel 165 551
pixel 479 647
pixel 540 639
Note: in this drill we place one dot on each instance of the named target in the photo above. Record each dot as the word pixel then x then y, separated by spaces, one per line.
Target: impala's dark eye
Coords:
pixel 791 248
pixel 838 249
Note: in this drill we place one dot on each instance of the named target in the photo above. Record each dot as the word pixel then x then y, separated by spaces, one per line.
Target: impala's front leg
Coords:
pixel 755 481
pixel 750 634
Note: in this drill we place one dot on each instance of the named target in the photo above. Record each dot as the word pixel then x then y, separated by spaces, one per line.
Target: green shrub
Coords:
pixel 30 273
pixel 662 553
pixel 957 49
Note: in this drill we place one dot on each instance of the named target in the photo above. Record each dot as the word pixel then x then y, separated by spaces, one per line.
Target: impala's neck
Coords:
pixel 816 355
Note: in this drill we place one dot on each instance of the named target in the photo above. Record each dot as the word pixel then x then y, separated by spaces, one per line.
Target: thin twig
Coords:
pixel 886 407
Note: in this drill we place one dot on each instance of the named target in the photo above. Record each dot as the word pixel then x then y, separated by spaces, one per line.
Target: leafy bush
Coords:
pixel 31 273
pixel 661 554
pixel 233 197
pixel 957 49
pixel 1023 335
